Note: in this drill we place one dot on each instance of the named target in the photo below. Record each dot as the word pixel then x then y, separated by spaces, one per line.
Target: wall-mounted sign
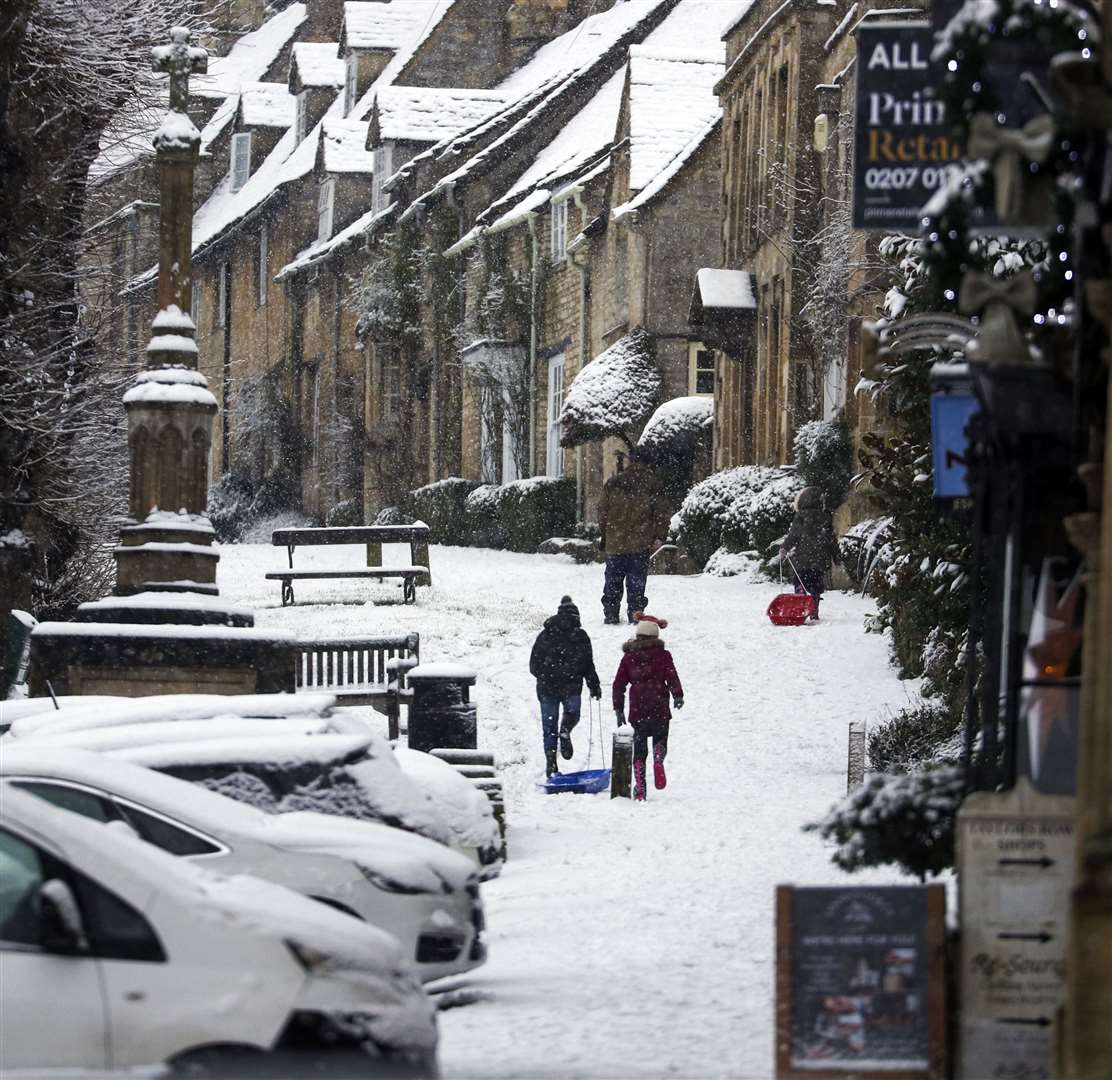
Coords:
pixel 860 986
pixel 905 150
pixel 953 405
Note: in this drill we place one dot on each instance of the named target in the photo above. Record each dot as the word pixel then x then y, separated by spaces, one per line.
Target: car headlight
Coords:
pixel 311 960
pixel 388 884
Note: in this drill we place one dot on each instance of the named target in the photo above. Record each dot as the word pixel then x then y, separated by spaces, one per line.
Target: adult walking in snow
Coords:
pixel 633 517
pixel 648 670
pixel 810 543
pixel 561 661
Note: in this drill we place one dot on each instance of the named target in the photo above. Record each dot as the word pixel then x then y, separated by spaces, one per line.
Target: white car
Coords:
pixel 359 777
pixel 116 955
pixel 424 894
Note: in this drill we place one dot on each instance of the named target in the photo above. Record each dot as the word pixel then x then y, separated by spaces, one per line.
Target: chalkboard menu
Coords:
pixel 860 981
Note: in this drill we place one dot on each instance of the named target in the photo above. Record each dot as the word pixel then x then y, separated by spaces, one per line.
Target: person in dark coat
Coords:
pixel 810 543
pixel 648 670
pixel 561 661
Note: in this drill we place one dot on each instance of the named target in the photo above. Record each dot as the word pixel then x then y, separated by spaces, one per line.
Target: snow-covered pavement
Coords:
pixel 626 940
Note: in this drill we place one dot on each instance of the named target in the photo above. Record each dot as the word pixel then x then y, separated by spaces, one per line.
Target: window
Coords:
pixel 702 372
pixel 241 159
pixel 325 201
pixel 383 168
pixel 195 302
pixel 116 931
pixel 223 297
pixel 264 268
pixel 75 799
pixel 392 390
pixel 350 83
pixel 21 876
pixel 301 116
pixel 555 463
pixel 560 231
pixel 161 833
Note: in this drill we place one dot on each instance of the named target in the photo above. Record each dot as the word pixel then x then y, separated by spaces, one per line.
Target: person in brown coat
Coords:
pixel 634 520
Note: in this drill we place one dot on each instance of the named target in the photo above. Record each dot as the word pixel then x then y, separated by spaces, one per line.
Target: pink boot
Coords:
pixel 639 780
pixel 659 778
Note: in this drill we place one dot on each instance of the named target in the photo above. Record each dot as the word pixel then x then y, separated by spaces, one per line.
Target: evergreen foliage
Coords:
pixel 824 458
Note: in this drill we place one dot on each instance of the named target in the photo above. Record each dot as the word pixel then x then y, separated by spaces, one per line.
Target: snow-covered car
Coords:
pixel 360 779
pixel 424 894
pixel 117 955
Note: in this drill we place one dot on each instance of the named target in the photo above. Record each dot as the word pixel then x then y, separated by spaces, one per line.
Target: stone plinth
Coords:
pixel 132 660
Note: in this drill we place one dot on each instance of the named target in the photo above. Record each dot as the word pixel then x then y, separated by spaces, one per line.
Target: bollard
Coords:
pixel 621 765
pixel 855 767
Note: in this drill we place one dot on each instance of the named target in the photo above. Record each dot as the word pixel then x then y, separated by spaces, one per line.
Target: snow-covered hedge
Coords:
pixel 677 425
pixel 865 548
pixel 745 508
pixel 236 502
pixel 916 737
pixel 824 458
pixel 442 506
pixel 613 394
pixel 906 819
pixel 345 514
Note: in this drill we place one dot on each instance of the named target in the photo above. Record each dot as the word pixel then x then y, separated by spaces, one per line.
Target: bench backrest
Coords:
pixel 354 534
pixel 334 663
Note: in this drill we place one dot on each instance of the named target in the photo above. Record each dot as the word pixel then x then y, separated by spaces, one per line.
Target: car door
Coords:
pixel 52 1008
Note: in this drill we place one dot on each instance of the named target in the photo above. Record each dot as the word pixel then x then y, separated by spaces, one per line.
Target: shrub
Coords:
pixel 762 520
pixel 442 506
pixel 865 548
pixel 392 515
pixel 907 819
pixel 236 502
pixel 532 510
pixel 346 513
pixel 824 458
pixel 912 738
pixel 482 512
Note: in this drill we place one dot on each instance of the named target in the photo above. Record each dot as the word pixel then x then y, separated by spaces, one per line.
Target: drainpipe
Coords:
pixel 584 271
pixel 535 262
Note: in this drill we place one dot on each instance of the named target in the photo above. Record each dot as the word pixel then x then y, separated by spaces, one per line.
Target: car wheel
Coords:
pixel 225 1062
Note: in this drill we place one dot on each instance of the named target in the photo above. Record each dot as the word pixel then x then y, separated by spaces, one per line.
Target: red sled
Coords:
pixel 792 609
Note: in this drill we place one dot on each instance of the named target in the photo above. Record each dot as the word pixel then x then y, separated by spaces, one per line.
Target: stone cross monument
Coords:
pixel 165 629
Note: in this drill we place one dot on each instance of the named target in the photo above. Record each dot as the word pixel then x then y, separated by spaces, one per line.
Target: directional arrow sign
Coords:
pixel 1029 1021
pixel 1042 936
pixel 1043 862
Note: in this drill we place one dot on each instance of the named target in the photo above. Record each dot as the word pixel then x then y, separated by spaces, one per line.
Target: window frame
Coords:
pixel 382 168
pixel 555 457
pixel 240 164
pixel 695 349
pixel 351 82
pixel 264 263
pixel 326 208
pixel 558 231
pixel 300 116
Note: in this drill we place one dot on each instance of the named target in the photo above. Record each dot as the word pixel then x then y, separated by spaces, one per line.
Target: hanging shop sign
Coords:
pixel 1015 865
pixel 905 151
pixel 860 982
pixel 953 405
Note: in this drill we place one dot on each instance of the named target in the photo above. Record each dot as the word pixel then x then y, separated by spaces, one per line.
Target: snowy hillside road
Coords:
pixel 626 940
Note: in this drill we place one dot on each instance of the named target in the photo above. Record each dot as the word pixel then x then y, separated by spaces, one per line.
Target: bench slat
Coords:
pixel 301 575
pixel 355 534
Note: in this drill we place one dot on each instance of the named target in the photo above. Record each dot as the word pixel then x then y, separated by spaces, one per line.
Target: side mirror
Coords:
pixel 60 926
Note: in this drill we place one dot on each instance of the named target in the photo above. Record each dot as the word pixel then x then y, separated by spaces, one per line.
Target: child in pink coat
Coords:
pixel 649 672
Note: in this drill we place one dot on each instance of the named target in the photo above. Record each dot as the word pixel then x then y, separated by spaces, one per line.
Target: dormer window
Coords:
pixel 301 116
pixel 350 84
pixel 383 165
pixel 559 225
pixel 241 160
pixel 325 203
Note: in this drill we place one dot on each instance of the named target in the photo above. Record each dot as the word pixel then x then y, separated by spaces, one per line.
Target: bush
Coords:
pixel 236 502
pixel 912 738
pixel 392 515
pixel 483 517
pixel 442 506
pixel 907 819
pixel 824 458
pixel 721 510
pixel 530 511
pixel 864 549
pixel 344 514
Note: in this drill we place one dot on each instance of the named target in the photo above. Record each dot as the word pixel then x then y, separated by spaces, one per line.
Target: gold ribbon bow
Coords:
pixel 1009 149
pixel 999 340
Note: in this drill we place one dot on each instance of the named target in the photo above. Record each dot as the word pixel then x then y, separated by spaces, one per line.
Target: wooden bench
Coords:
pixel 373 536
pixel 359 671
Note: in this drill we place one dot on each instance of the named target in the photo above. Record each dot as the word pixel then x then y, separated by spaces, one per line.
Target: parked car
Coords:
pixel 424 894
pixel 116 955
pixel 269 763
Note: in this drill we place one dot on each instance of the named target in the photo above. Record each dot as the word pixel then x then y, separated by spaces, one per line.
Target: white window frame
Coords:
pixel 383 166
pixel 554 458
pixel 301 116
pixel 558 225
pixel 264 262
pixel 351 82
pixel 695 348
pixel 225 274
pixel 195 301
pixel 241 159
pixel 326 206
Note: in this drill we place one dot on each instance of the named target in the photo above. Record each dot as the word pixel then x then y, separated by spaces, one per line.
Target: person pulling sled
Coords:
pixel 810 546
pixel 648 670
pixel 561 661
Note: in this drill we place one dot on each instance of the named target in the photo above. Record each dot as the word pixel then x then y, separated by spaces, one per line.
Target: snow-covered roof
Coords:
pixel 726 290
pixel 431 113
pixel 317 64
pixel 264 104
pixel 614 392
pixel 377 25
pixel 317 250
pixel 345 146
pixel 671 97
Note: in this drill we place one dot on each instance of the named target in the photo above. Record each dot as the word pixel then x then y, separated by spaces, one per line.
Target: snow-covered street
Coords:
pixel 626 940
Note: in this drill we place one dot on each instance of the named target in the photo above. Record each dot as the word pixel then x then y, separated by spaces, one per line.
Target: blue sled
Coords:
pixel 578 783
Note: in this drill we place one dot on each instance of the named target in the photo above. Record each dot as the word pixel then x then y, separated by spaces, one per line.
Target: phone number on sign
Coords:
pixel 913 176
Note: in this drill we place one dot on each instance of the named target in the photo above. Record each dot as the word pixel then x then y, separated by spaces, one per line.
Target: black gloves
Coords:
pixel 620 716
pixel 679 703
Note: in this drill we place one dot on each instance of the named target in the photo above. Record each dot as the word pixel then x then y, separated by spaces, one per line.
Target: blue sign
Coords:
pixel 950 415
